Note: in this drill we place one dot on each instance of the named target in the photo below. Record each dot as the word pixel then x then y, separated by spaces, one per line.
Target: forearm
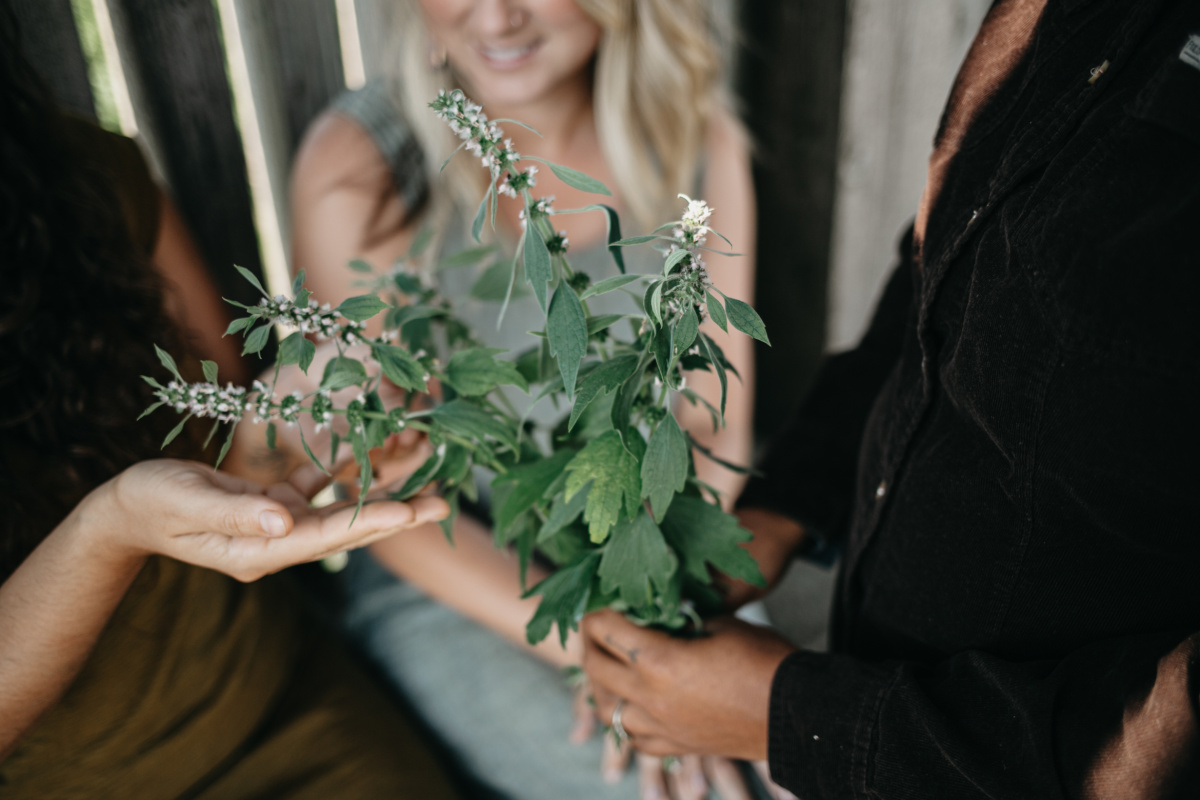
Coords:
pixel 474 578
pixel 53 609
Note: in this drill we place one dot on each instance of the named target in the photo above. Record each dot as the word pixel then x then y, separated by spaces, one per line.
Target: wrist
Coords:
pixel 98 529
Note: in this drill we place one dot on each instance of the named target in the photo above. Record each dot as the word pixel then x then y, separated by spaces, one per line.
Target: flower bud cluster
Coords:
pixel 690 235
pixel 513 182
pixel 320 320
pixel 206 400
pixel 483 138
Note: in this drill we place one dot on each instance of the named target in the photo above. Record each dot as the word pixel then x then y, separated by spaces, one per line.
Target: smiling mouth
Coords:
pixel 507 56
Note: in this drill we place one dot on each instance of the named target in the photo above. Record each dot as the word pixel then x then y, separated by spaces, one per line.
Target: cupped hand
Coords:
pixel 190 512
pixel 707 695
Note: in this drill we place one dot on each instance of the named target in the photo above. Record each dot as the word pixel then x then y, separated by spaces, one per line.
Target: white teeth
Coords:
pixel 506 54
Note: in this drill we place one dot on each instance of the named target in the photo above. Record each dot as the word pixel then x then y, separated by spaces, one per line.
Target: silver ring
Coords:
pixel 618 728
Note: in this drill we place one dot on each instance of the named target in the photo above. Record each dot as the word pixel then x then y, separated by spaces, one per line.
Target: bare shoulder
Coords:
pixel 727 138
pixel 338 155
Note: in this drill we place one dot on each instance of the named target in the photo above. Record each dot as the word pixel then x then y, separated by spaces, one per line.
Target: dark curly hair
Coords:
pixel 79 310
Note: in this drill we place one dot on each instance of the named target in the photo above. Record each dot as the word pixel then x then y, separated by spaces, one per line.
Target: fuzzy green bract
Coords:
pixel 608 491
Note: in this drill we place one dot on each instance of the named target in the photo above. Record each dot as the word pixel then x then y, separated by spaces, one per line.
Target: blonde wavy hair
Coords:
pixel 657 83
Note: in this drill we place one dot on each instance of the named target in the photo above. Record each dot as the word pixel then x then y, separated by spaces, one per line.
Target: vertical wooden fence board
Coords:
pixel 377 34
pixel 184 97
pixel 790 81
pixel 304 39
pixel 51 43
pixel 900 61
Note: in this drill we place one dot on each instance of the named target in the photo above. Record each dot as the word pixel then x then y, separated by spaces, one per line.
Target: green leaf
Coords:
pixel 477 371
pixel 575 179
pixel 719 368
pixel 400 367
pixel 537 263
pixel 421 478
pixel 468 257
pixel 562 513
pixel 673 260
pixel 361 308
pixel 165 358
pixel 665 467
pixel 210 370
pixel 238 324
pixel 492 285
pixel 211 433
pixel 290 349
pixel 603 379
pixel 225 447
pixel 746 319
pixel 530 482
pixel 664 353
pixel 152 408
pixel 636 560
pixel 564 598
pixel 481 215
pixel 632 240
pixel 518 122
pixel 447 524
pixel 614 235
pixel 400 316
pixel 597 324
pixel 341 372
pixel 252 278
pixel 312 456
pixel 705 535
pixel 358 265
pixel 271 435
pixel 566 329
pixel 152 382
pixel 178 429
pixel 298 283
pixel 608 284
pixel 716 311
pixel 419 245
pixel 257 340
pixel 686 330
pixel 465 419
pixel 616 483
pixel 623 402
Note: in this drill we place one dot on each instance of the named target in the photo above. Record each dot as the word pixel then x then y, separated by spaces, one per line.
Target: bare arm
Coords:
pixel 54 607
pixel 728 188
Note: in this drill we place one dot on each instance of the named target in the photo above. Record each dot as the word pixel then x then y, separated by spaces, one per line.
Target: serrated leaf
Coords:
pixel 252 278
pixel 616 483
pixel 705 535
pixel 665 466
pixel 686 330
pixel 400 367
pixel 358 265
pixel 636 560
pixel 477 371
pixel 298 282
pixel 341 372
pixel 608 284
pixel 529 484
pixel 257 340
pixel 210 370
pixel 716 311
pixel 361 308
pixel 468 257
pixel 564 599
pixel 537 264
pixel 746 319
pixel 165 358
pixel 238 325
pixel 673 260
pixel 603 379
pixel 562 513
pixel 465 419
pixel 566 330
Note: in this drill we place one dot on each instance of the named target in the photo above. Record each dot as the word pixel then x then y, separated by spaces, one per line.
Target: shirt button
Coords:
pixel 881 490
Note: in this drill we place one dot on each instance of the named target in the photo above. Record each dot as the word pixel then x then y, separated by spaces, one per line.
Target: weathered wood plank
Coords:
pixel 790 81
pixel 900 61
pixel 378 36
pixel 176 68
pixel 51 44
pixel 304 39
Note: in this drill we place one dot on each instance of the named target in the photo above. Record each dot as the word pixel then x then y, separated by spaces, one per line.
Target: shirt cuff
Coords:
pixel 823 718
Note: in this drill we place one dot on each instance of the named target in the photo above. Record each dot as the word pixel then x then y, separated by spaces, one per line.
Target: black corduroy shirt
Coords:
pixel 1010 460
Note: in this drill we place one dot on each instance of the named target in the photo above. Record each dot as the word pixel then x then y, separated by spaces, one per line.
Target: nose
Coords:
pixel 496 17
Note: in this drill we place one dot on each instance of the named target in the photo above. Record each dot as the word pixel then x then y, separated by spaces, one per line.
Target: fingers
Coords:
pixel 609 681
pixel 686 778
pixel 615 635
pixel 776 791
pixel 652 783
pixel 583 718
pixel 233 507
pixel 725 778
pixel 614 759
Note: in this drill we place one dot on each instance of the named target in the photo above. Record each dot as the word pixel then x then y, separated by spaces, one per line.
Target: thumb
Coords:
pixel 235 513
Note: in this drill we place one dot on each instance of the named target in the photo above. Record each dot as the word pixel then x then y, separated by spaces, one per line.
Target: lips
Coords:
pixel 507 57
